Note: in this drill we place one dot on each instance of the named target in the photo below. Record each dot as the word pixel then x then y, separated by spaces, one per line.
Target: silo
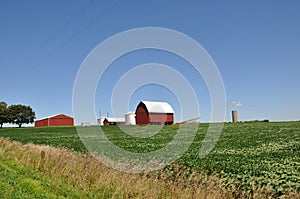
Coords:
pixel 130 118
pixel 101 120
pixel 234 116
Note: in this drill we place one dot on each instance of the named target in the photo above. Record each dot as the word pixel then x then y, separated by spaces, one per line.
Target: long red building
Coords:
pixel 160 113
pixel 56 120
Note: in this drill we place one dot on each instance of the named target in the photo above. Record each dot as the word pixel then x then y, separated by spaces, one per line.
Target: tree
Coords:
pixel 4 117
pixel 21 114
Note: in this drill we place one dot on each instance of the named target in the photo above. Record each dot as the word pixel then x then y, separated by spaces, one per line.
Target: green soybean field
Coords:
pixel 248 155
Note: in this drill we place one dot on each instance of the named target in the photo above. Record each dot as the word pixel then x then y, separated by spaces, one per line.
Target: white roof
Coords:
pixel 158 107
pixel 51 116
pixel 115 119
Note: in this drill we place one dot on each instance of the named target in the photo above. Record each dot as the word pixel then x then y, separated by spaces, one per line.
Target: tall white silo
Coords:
pixel 130 118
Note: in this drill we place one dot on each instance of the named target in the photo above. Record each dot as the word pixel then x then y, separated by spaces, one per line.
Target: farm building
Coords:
pixel 110 121
pixel 107 121
pixel 56 120
pixel 100 121
pixel 130 118
pixel 154 113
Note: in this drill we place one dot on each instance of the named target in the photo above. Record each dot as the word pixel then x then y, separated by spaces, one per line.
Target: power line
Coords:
pixel 79 31
pixel 64 26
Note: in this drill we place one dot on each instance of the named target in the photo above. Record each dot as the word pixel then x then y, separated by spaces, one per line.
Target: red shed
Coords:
pixel 111 121
pixel 56 120
pixel 154 113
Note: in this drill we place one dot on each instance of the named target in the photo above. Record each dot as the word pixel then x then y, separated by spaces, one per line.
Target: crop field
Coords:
pixel 248 156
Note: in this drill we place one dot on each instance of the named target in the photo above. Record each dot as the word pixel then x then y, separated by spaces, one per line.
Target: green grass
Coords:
pixel 247 154
pixel 35 171
pixel 19 181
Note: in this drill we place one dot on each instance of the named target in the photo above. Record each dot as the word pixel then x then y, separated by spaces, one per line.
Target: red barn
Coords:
pixel 56 120
pixel 111 121
pixel 154 113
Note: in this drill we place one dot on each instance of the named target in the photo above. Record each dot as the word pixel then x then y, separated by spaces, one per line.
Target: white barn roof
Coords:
pixel 158 107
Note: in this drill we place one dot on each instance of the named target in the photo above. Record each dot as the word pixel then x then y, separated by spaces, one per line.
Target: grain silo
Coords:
pixel 100 121
pixel 235 116
pixel 130 118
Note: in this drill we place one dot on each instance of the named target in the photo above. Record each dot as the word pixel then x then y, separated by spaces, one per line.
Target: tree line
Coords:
pixel 16 114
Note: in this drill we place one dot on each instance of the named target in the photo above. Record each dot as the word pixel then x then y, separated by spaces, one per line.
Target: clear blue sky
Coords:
pixel 255 45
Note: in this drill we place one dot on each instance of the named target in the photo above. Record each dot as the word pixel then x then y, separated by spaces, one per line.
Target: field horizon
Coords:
pixel 250 157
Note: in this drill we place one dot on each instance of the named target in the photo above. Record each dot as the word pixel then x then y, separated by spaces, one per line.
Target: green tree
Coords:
pixel 4 117
pixel 21 114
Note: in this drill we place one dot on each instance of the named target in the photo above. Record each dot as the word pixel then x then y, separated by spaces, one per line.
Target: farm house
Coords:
pixel 56 120
pixel 154 113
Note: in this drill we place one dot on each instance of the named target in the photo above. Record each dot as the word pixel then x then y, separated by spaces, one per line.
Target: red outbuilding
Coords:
pixel 56 120
pixel 160 113
pixel 111 121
